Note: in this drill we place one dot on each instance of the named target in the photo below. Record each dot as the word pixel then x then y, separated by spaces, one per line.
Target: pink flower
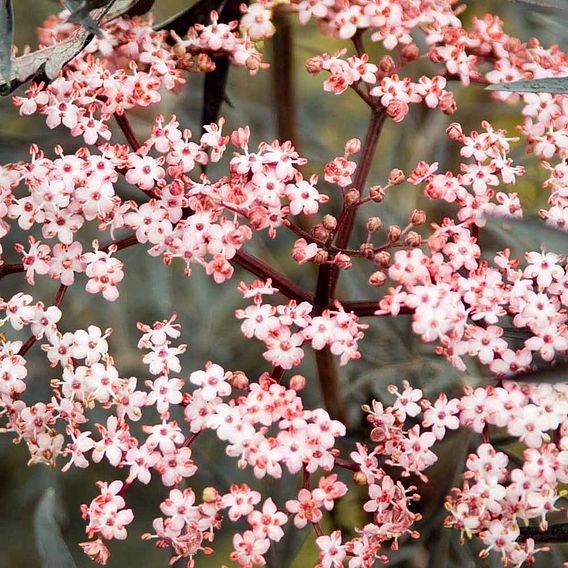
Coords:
pixel 240 501
pixel 249 549
pixel 268 522
pixel 332 551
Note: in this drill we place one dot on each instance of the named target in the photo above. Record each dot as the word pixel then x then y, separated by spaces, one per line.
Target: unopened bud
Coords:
pixel 210 495
pixel 359 478
pixel 314 64
pixel 387 65
pixel 351 197
pixel 342 261
pixel 447 103
pixel 298 382
pixel 321 256
pixel 396 177
pixel 257 217
pixel 329 222
pixel 374 224
pixel 377 279
pixel 413 239
pixel 240 137
pixel 204 63
pixel 352 146
pixel 417 217
pixel 410 52
pixel 239 380
pixel 393 233
pixel 253 62
pixel 377 193
pixel 179 50
pixel 437 242
pixel 367 250
pixel 382 259
pixel 320 232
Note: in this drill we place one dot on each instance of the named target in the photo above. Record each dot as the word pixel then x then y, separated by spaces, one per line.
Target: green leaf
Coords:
pixel 555 85
pixel 6 37
pixel 52 548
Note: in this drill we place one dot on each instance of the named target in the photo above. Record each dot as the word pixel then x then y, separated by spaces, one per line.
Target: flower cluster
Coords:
pixel 467 314
pixel 274 326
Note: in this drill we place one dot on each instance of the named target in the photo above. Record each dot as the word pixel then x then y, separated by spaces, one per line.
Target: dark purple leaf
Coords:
pixel 47 63
pixel 6 37
pixel 198 13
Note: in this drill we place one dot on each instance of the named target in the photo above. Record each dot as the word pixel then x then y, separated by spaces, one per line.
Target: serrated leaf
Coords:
pixel 47 63
pixel 554 85
pixel 141 7
pixel 548 6
pixel 81 13
pixel 6 37
pixel 527 234
pixel 50 544
pixel 556 373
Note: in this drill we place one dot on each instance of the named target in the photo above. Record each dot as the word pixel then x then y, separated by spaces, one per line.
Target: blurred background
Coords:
pixel 39 508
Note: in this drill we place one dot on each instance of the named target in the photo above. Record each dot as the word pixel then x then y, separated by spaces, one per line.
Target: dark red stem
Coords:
pixel 367 308
pixel 6 269
pixel 254 265
pixel 131 138
pixel 346 464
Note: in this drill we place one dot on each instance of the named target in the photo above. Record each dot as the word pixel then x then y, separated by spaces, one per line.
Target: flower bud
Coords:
pixel 417 217
pixel 377 279
pixel 377 193
pixel 359 478
pixel 454 131
pixel 393 233
pixel 382 259
pixel 374 224
pixel 342 261
pixel 387 65
pixel 352 147
pixel 410 52
pixel 397 110
pixel 239 380
pixel 435 56
pixel 321 256
pixel 413 239
pixel 257 217
pixel 210 495
pixel 297 382
pixel 320 232
pixel 179 50
pixel 204 63
pixel 351 197
pixel 240 137
pixel 253 63
pixel 437 242
pixel 314 64
pixel 367 250
pixel 396 177
pixel 447 103
pixel 329 222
